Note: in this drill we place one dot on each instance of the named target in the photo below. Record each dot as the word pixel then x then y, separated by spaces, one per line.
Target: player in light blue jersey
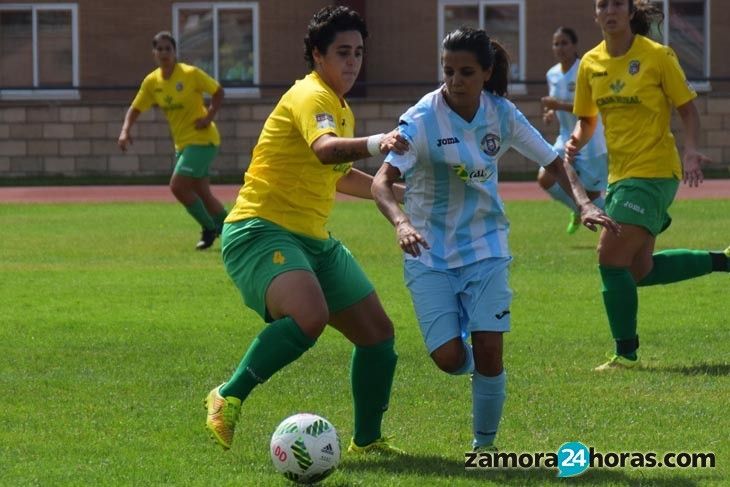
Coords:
pixel 591 165
pixel 454 228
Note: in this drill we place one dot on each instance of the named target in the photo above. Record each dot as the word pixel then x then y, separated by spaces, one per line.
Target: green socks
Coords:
pixel 279 344
pixel 619 289
pixel 677 265
pixel 197 210
pixel 219 219
pixel 622 304
pixel 371 374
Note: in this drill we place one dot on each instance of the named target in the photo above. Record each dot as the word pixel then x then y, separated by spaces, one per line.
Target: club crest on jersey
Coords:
pixel 634 67
pixel 325 121
pixel 490 144
pixel 571 86
pixel 179 86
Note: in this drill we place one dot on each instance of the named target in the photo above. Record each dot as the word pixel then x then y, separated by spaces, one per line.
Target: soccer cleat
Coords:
pixel 207 237
pixel 618 362
pixel 485 448
pixel 223 413
pixel 573 224
pixel 380 446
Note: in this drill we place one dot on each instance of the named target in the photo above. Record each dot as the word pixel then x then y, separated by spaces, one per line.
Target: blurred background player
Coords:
pixel 178 88
pixel 590 164
pixel 454 229
pixel 634 82
pixel 278 252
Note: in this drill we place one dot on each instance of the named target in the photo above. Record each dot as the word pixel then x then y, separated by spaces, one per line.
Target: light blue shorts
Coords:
pixel 457 302
pixel 593 172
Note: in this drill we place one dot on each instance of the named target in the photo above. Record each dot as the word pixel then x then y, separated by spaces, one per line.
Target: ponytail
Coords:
pixel 499 81
pixel 644 15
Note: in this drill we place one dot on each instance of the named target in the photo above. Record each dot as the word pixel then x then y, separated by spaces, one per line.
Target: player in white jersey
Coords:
pixel 591 165
pixel 454 229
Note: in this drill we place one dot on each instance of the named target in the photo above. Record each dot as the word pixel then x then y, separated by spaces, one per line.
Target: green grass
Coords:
pixel 112 330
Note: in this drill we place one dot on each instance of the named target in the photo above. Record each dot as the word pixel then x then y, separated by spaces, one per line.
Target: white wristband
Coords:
pixel 374 144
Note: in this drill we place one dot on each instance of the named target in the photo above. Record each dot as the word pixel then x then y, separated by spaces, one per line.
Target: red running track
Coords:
pixel 710 189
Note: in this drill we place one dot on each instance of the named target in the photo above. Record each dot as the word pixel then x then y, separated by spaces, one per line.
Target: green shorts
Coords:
pixel 194 160
pixel 642 202
pixel 255 251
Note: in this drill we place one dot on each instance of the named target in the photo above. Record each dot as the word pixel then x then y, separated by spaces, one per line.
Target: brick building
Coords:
pixel 69 70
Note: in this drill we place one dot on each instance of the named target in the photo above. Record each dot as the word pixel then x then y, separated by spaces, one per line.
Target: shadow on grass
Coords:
pixel 695 369
pixel 442 469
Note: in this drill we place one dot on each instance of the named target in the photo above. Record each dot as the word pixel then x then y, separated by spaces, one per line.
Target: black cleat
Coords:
pixel 207 237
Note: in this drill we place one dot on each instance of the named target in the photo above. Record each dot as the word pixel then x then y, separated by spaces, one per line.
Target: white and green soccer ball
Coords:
pixel 305 448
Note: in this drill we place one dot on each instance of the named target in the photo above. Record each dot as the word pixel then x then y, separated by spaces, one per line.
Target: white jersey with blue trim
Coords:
pixel 562 87
pixel 451 178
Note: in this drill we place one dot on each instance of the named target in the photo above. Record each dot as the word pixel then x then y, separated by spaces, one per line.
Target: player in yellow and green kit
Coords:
pixel 634 82
pixel 276 248
pixel 178 88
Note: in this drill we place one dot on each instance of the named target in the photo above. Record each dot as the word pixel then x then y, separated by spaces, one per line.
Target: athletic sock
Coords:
pixel 219 219
pixel 487 396
pixel 677 265
pixel 557 193
pixel 279 343
pixel 622 305
pixel 197 210
pixel 371 375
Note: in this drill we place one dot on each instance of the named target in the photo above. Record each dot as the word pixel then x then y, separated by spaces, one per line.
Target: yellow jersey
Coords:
pixel 181 99
pixel 286 183
pixel 634 94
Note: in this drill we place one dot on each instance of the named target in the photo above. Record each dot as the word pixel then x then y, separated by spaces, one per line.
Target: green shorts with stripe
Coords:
pixel 642 202
pixel 255 251
pixel 194 160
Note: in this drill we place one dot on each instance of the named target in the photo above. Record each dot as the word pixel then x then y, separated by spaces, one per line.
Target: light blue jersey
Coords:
pixel 451 178
pixel 562 87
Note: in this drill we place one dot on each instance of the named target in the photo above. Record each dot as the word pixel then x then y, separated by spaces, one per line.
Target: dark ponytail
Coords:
pixel 644 15
pixel 499 80
pixel 489 54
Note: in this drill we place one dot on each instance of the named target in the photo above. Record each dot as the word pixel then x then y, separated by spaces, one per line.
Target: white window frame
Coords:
pixel 514 88
pixel 35 92
pixel 242 92
pixel 697 85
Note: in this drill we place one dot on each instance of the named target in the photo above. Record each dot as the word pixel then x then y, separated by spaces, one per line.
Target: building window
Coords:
pixel 503 20
pixel 222 39
pixel 686 29
pixel 39 53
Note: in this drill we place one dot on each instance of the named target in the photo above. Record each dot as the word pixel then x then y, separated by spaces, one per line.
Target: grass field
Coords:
pixel 112 330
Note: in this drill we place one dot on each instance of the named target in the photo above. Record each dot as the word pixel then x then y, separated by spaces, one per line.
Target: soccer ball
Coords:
pixel 305 448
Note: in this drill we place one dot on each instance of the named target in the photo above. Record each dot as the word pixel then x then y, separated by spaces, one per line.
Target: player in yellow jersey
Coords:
pixel 278 252
pixel 178 88
pixel 634 82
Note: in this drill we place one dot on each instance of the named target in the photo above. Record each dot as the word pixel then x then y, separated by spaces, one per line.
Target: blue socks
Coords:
pixel 487 395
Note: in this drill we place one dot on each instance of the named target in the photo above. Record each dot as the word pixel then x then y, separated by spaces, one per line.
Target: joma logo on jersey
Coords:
pixel 599 74
pixel 447 141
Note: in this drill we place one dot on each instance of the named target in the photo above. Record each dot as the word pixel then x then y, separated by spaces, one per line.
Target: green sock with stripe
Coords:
pixel 371 375
pixel 678 265
pixel 622 305
pixel 219 219
pixel 200 214
pixel 279 344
